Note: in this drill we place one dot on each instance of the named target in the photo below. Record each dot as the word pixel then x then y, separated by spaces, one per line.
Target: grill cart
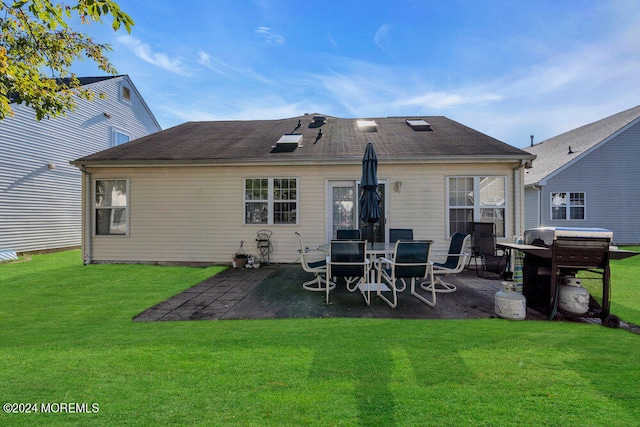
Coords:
pixel 553 258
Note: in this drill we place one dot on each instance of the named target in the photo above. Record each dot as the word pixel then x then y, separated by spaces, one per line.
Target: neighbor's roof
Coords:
pixel 331 140
pixel 554 154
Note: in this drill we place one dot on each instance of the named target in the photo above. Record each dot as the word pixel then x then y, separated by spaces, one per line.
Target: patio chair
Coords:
pixel 483 249
pixel 348 259
pixel 396 234
pixel 347 234
pixel 455 263
pixel 410 261
pixel 314 261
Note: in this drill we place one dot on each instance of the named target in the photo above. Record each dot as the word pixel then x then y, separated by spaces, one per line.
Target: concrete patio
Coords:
pixel 275 291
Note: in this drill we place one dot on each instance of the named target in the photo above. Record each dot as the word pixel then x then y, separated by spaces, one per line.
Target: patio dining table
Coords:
pixel 375 250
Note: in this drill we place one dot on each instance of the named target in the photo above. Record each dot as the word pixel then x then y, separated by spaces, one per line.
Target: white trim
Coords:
pixel 476 207
pixel 270 201
pixel 94 208
pixel 114 132
pixel 125 88
pixel 568 205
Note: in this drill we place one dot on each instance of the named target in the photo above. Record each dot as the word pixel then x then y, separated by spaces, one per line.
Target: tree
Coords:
pixel 37 49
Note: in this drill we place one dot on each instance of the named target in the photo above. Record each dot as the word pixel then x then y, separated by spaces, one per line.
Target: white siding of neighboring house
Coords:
pixel 40 207
pixel 610 178
pixel 195 214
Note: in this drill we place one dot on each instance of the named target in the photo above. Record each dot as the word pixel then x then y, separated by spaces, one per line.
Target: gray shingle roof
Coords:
pixel 246 141
pixel 553 153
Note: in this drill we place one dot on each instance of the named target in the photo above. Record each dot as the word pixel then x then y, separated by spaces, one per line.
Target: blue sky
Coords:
pixel 509 69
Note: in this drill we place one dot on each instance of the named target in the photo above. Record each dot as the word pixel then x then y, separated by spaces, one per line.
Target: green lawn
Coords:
pixel 66 336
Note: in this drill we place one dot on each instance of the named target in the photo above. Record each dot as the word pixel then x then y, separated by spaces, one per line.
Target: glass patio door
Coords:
pixel 342 210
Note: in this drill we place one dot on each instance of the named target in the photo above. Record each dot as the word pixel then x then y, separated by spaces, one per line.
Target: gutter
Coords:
pixel 86 226
pixel 353 160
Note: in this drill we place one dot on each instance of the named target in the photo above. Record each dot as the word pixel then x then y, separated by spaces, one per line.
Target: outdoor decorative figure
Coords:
pixel 370 199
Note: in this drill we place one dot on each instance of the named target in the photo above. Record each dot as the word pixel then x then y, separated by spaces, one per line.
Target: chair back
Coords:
pixel 456 247
pixel 306 265
pixel 348 234
pixel 484 237
pixel 396 234
pixel 416 254
pixel 347 258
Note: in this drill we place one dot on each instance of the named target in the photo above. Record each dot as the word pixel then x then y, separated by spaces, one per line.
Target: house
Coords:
pixel 40 192
pixel 192 193
pixel 588 177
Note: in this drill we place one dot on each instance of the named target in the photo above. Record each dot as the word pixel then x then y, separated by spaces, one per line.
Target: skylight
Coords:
pixel 418 124
pixel 290 138
pixel 367 126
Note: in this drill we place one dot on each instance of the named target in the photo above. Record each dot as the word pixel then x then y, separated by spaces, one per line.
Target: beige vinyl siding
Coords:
pixel 195 214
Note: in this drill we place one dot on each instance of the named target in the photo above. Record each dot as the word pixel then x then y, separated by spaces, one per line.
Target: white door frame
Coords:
pixel 331 183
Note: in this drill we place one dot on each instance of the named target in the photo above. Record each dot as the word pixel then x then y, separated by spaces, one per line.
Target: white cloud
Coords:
pixel 215 64
pixel 144 52
pixel 380 38
pixel 265 33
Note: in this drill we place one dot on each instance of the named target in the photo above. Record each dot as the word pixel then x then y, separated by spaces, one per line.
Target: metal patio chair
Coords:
pixel 410 261
pixel 483 249
pixel 314 261
pixel 343 234
pixel 348 259
pixel 396 234
pixel 455 263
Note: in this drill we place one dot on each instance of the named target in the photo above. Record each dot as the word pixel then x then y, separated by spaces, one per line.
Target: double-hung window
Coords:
pixel 119 137
pixel 111 206
pixel 568 206
pixel 271 201
pixel 476 199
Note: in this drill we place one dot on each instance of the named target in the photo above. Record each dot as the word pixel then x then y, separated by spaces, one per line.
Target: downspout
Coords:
pixel 86 226
pixel 517 198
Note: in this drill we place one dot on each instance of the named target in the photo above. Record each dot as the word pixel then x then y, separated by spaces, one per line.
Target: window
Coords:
pixel 568 206
pixel 118 137
pixel 476 199
pixel 125 94
pixel 111 206
pixel 270 201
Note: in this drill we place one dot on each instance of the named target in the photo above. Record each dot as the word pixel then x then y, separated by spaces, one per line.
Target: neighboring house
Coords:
pixel 588 177
pixel 192 193
pixel 40 192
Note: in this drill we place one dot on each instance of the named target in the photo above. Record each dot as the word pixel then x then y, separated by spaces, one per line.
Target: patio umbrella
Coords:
pixel 370 199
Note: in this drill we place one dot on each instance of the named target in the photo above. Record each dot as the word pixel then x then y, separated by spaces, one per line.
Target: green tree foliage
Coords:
pixel 38 47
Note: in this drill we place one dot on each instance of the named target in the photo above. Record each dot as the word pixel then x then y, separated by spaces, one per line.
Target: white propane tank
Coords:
pixel 572 297
pixel 510 304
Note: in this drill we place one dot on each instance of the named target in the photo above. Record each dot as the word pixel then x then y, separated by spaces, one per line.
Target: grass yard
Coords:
pixel 66 338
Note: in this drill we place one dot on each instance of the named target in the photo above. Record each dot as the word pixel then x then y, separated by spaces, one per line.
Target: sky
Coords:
pixel 509 69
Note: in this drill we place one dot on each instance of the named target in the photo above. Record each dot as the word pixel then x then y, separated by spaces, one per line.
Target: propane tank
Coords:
pixel 572 297
pixel 510 304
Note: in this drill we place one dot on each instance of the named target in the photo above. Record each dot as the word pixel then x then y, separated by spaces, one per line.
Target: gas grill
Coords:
pixel 570 250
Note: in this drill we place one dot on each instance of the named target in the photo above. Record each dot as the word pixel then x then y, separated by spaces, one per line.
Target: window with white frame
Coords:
pixel 568 206
pixel 271 200
pixel 118 137
pixel 125 93
pixel 111 207
pixel 476 199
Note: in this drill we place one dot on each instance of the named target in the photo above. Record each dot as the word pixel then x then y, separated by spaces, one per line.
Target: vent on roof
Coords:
pixel 367 126
pixel 418 124
pixel 317 121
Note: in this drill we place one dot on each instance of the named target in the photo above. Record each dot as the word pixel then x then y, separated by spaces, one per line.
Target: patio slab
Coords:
pixel 275 291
